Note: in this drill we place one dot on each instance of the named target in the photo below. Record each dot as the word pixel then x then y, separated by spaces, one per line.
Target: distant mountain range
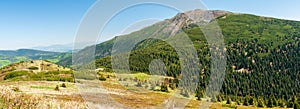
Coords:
pixel 62 47
pixel 12 56
pixel 55 48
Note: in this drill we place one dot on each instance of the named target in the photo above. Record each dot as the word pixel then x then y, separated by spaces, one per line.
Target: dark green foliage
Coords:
pixel 42 76
pixel 296 106
pixel 292 102
pixel 252 101
pixel 15 74
pixel 16 89
pixel 270 103
pixel 139 84
pixel 238 102
pixel 164 88
pixel 63 85
pixel 246 102
pixel 33 68
pixel 260 102
pixel 281 103
pixel 57 88
pixel 200 94
pixel 228 100
pixel 219 98
pixel 101 78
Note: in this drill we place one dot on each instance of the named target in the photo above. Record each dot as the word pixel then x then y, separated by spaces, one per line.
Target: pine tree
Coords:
pixel 296 106
pixel 260 102
pixel 281 103
pixel 220 98
pixel 270 103
pixel 228 100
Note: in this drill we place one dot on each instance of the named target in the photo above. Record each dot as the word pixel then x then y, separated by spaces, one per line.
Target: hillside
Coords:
pixel 263 58
pixel 10 56
pixel 159 29
pixel 36 70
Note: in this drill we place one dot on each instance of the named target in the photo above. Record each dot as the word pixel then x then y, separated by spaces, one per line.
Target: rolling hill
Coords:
pixel 36 70
pixel 10 56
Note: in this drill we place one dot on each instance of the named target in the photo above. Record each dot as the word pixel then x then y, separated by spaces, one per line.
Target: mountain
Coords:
pixel 262 55
pixel 23 52
pixel 162 29
pixel 55 48
pixel 61 47
pixel 35 70
pixel 12 56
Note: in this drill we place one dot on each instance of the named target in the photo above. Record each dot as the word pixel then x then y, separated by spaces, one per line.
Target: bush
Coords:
pixel 33 68
pixel 101 78
pixel 15 74
pixel 139 84
pixel 63 85
pixel 164 88
pixel 56 88
pixel 16 89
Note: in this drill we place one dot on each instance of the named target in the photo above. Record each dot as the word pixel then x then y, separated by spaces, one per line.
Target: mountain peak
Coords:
pixel 198 16
pixel 207 13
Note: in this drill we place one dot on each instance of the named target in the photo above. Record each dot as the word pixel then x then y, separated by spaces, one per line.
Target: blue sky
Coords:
pixel 29 23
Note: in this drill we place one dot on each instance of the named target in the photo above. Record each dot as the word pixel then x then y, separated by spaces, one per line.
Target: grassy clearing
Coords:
pixel 39 95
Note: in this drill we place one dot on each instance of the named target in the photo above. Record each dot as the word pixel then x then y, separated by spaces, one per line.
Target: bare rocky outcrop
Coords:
pixel 186 19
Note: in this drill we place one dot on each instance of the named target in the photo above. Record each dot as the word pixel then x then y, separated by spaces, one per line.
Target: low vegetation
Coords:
pixel 36 71
pixel 17 99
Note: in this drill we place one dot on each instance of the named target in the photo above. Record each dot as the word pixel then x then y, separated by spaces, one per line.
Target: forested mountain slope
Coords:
pixel 262 56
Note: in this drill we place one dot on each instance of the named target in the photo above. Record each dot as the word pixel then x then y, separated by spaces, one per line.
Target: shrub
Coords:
pixel 15 74
pixel 63 85
pixel 33 68
pixel 101 78
pixel 56 88
pixel 16 89
pixel 139 84
pixel 164 88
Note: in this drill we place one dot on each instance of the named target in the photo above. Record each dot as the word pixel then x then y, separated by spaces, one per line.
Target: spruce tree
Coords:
pixel 228 100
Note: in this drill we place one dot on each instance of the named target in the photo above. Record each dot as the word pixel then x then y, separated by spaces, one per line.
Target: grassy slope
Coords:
pixel 36 70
